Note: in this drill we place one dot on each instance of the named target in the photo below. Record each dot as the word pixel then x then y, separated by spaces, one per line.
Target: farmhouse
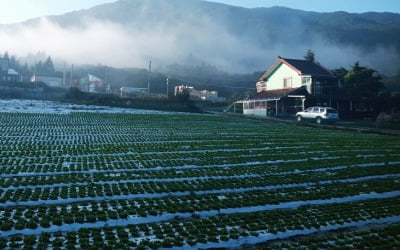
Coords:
pixel 92 84
pixel 290 85
pixel 6 73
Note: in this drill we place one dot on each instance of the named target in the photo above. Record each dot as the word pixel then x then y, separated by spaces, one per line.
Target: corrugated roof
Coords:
pixel 12 72
pixel 279 93
pixel 93 78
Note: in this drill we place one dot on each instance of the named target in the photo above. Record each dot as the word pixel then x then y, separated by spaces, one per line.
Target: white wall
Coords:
pixel 275 81
pixel 253 108
pixel 255 112
pixel 50 81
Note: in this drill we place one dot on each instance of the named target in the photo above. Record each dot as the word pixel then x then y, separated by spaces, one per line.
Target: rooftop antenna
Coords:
pixel 149 78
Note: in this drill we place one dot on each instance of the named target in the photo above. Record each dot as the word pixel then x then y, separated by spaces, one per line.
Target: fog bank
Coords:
pixel 119 45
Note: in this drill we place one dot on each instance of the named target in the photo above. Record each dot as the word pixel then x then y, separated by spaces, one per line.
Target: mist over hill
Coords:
pixel 130 33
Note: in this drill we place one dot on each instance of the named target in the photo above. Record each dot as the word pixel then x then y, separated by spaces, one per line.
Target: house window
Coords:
pixel 287 82
pixel 318 88
pixel 305 80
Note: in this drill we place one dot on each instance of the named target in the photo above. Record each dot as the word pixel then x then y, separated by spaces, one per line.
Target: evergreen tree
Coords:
pixel 39 68
pixel 363 85
pixel 13 63
pixel 340 73
pixel 48 66
pixel 310 55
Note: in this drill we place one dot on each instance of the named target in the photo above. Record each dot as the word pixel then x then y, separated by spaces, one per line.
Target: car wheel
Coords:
pixel 319 120
pixel 299 118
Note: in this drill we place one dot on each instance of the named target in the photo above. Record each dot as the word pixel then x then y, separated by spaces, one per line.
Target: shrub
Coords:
pixel 6 225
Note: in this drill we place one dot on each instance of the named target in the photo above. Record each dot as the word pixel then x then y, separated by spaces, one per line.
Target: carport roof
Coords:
pixel 280 93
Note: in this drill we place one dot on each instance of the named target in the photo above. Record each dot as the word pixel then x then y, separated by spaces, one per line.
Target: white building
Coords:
pixel 130 91
pixel 51 81
pixel 288 86
pixel 199 94
pixel 93 84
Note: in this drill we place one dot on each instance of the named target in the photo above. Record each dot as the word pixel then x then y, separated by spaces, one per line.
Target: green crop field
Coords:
pixel 113 180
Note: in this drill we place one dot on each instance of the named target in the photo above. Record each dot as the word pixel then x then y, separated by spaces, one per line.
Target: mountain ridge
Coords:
pixel 391 20
pixel 229 30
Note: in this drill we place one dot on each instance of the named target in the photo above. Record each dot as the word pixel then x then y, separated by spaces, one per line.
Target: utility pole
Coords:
pixel 34 81
pixel 149 78
pixel 70 77
pixel 64 76
pixel 105 80
pixel 167 86
pixel 105 74
pixel 34 73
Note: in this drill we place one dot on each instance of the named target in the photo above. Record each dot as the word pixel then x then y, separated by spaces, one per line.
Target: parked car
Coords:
pixel 319 114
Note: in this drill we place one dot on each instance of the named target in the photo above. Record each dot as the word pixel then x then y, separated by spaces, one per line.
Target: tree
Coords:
pixel 340 73
pixel 364 81
pixel 13 63
pixel 48 65
pixel 39 68
pixel 363 85
pixel 310 55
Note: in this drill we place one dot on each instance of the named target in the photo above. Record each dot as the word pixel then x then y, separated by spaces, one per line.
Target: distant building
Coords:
pixel 131 92
pixel 7 74
pixel 54 80
pixel 93 84
pixel 198 94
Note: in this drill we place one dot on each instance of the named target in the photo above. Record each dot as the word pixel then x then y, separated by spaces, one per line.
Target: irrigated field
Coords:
pixel 91 180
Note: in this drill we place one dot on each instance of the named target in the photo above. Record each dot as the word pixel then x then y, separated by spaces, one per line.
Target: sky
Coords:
pixel 12 11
